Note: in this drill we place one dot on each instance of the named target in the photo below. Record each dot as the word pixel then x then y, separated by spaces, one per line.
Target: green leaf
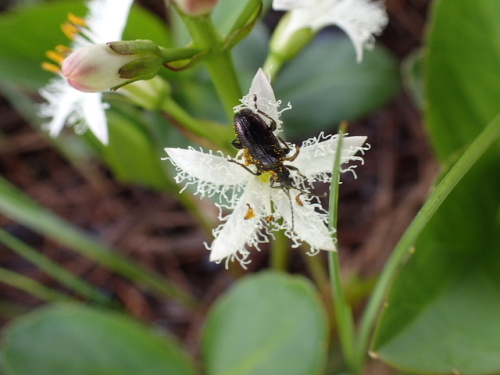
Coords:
pixel 463 84
pixel 325 85
pixel 76 340
pixel 131 152
pixel 271 323
pixel 442 314
pixel 28 32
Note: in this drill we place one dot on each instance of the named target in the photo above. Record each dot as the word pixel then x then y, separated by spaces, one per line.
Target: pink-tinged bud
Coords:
pixel 94 68
pixel 195 8
pixel 106 66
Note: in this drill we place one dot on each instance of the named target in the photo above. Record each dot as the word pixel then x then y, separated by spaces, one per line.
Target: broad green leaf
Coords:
pixel 442 314
pixel 271 323
pixel 28 32
pixel 72 339
pixel 325 85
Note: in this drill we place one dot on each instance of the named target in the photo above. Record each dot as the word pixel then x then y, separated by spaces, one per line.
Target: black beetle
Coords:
pixel 262 148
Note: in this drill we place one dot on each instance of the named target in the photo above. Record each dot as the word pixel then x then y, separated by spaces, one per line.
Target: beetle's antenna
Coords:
pixel 287 192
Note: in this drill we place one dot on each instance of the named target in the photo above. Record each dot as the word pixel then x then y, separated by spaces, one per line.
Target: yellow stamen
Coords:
pixel 51 67
pixel 250 214
pixel 69 30
pixel 63 50
pixel 298 200
pixel 76 20
pixel 55 56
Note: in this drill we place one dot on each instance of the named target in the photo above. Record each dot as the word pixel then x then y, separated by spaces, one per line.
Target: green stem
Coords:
pixel 176 54
pixel 53 269
pixel 206 131
pixel 217 60
pixel 279 252
pixel 450 180
pixel 341 307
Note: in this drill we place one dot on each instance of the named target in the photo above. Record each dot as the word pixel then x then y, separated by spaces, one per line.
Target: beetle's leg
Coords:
pixel 294 156
pixel 244 166
pixel 237 144
pixel 295 169
pixel 273 124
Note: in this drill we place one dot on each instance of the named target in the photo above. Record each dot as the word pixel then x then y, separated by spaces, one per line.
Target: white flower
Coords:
pixel 360 19
pixel 105 22
pixel 256 206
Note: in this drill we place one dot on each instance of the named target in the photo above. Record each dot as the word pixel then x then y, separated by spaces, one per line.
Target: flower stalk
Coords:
pixel 217 60
pixel 341 307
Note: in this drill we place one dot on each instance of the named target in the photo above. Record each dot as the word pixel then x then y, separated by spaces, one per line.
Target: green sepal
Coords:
pixel 142 68
pixel 135 47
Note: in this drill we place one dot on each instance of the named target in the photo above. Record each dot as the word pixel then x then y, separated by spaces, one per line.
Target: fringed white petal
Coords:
pixel 361 20
pixel 317 155
pixel 215 169
pixel 106 20
pixel 62 101
pixel 305 222
pixel 245 226
pixel 95 116
pixel 262 91
pixel 65 105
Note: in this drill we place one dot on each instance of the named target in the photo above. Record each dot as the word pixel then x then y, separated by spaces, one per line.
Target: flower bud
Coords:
pixel 195 8
pixel 111 65
pixel 287 41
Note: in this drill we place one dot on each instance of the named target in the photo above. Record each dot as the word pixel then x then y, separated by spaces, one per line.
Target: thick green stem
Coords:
pixel 217 60
pixel 341 307
pixel 466 161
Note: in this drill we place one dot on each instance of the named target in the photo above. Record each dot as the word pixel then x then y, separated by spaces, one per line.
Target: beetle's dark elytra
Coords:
pixel 261 147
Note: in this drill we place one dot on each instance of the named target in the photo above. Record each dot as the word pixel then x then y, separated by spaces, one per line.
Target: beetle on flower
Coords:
pixel 105 22
pixel 256 205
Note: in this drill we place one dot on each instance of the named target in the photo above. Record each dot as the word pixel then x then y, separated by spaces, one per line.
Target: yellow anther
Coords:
pixel 69 30
pixel 51 67
pixel 63 50
pixel 55 56
pixel 250 214
pixel 298 200
pixel 75 20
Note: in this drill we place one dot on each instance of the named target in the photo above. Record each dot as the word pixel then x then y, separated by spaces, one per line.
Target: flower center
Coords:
pixel 265 178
